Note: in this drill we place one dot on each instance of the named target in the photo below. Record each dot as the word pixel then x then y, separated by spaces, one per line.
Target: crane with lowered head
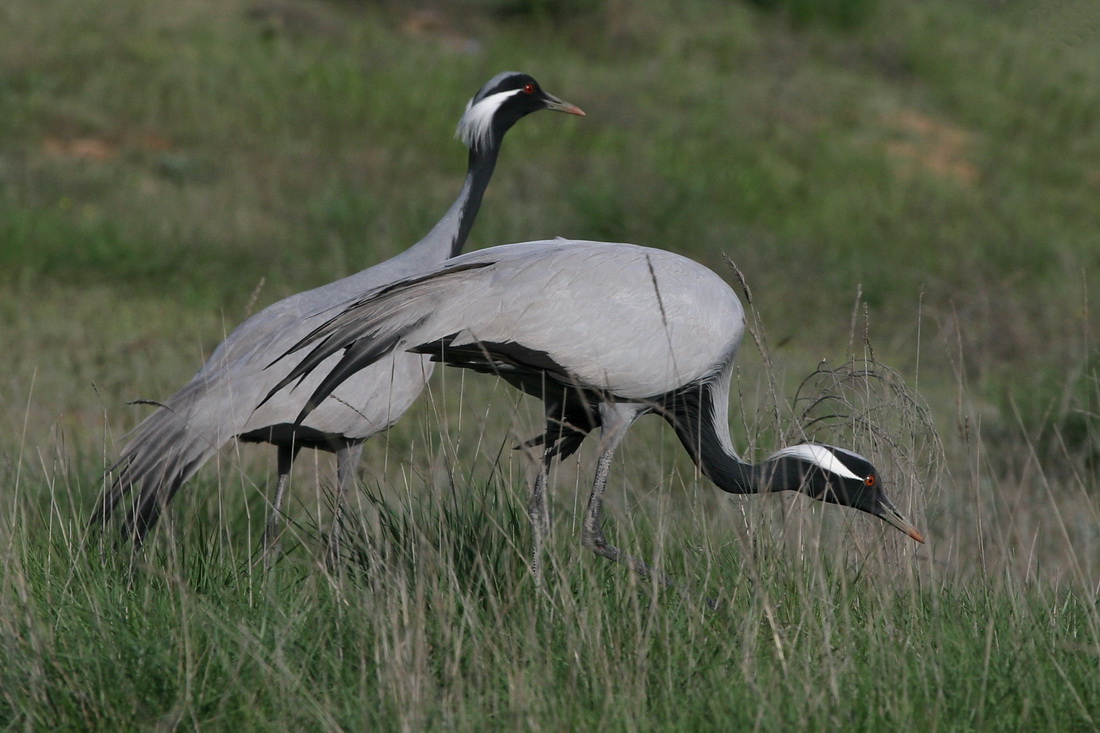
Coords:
pixel 602 333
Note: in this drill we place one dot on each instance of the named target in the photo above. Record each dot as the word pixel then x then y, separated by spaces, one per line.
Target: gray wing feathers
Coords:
pixel 355 358
pixel 163 452
pixel 371 327
pixel 170 445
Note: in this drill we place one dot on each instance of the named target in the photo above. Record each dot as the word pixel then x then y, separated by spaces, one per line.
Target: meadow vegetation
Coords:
pixel 910 190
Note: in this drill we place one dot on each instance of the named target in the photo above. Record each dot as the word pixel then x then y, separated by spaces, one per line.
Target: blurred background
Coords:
pixel 913 183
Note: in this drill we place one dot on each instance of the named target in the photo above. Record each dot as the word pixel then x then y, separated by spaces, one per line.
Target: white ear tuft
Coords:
pixel 819 455
pixel 477 122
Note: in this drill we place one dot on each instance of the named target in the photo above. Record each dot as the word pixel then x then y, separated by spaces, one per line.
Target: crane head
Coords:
pixel 501 103
pixel 842 477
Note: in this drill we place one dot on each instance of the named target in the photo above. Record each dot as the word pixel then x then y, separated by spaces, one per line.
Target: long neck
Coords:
pixel 448 236
pixel 700 416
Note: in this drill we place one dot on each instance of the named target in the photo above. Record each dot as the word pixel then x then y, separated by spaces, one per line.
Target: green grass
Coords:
pixel 913 184
pixel 445 629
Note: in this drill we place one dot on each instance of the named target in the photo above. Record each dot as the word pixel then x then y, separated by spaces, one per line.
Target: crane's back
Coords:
pixel 630 320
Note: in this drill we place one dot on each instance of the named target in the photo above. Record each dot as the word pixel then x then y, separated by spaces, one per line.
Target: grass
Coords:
pixel 445 630
pixel 903 185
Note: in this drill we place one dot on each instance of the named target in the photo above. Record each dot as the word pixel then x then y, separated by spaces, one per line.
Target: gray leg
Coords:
pixel 538 509
pixel 285 460
pixel 347 461
pixel 616 419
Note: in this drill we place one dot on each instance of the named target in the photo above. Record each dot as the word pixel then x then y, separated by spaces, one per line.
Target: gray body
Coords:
pixel 223 400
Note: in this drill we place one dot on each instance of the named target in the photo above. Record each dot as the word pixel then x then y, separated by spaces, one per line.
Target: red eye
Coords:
pixel 528 88
pixel 869 481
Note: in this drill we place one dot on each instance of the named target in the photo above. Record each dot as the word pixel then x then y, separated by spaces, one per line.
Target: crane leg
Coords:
pixel 347 460
pixel 286 456
pixel 616 419
pixel 538 510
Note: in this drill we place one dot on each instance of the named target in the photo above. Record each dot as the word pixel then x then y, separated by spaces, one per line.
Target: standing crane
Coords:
pixel 603 334
pixel 222 400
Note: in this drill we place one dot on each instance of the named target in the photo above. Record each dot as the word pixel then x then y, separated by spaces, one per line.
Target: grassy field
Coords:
pixel 910 190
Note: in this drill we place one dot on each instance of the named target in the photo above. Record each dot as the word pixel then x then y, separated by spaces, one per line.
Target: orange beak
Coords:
pixel 560 105
pixel 895 518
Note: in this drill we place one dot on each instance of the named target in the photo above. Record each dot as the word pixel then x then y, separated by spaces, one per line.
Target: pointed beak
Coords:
pixel 893 517
pixel 559 105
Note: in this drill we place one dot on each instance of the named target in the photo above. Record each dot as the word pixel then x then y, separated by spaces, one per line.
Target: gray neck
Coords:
pixel 448 236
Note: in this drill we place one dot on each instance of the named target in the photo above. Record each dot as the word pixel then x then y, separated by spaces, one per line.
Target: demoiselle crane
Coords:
pixel 603 334
pixel 221 401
